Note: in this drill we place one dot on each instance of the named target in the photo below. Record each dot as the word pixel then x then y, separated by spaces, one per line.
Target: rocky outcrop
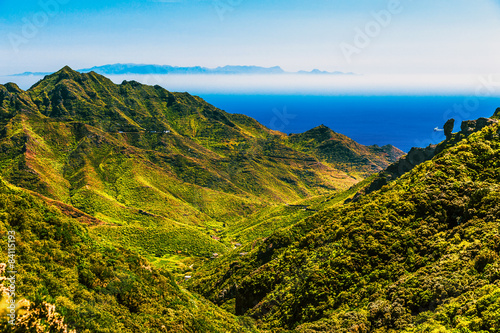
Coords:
pixel 419 155
pixel 470 126
pixel 448 128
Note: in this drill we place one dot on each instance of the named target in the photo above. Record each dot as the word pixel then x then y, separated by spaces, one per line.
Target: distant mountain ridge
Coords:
pixel 147 69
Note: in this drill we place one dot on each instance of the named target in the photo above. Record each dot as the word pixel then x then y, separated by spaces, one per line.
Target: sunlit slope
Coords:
pixel 140 156
pixel 66 281
pixel 419 255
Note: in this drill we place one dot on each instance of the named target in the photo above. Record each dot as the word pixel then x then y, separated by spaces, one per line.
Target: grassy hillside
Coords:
pixel 268 220
pixel 419 255
pixel 67 280
pixel 142 159
pixel 118 192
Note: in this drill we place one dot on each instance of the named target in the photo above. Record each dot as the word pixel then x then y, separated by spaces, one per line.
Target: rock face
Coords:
pixel 470 126
pixel 420 155
pixel 411 160
pixel 448 128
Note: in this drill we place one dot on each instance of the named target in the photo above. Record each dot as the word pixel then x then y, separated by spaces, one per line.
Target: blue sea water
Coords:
pixel 403 121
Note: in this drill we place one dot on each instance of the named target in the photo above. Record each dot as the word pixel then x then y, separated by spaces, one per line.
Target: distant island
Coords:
pixel 143 69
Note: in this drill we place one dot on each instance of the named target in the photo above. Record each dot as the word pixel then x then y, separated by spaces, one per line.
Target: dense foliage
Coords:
pixel 139 158
pixel 122 195
pixel 420 255
pixel 95 287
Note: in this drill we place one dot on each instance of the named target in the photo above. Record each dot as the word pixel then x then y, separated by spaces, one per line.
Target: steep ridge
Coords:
pixel 146 161
pixel 419 155
pixel 419 255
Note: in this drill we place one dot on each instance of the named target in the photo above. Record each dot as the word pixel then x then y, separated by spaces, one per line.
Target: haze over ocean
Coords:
pixel 390 113
pixel 424 48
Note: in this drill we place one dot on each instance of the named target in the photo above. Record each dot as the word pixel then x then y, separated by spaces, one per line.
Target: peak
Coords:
pixel 319 133
pixel 131 83
pixel 67 72
pixel 13 88
pixel 321 128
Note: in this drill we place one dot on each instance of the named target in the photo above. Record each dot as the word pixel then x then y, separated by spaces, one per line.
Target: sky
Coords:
pixel 404 39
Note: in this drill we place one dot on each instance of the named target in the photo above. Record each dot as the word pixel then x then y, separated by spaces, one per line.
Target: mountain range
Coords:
pixel 137 209
pixel 143 69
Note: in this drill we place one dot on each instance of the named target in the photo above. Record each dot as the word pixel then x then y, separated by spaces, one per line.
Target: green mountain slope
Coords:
pixel 419 255
pixel 101 180
pixel 67 281
pixel 343 151
pixel 154 166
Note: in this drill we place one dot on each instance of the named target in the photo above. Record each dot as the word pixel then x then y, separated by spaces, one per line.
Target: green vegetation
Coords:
pixel 142 159
pixel 266 221
pixel 344 152
pixel 159 242
pixel 129 202
pixel 420 255
pixel 95 287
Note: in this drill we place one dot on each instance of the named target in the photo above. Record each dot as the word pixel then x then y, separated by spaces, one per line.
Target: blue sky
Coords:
pixel 438 37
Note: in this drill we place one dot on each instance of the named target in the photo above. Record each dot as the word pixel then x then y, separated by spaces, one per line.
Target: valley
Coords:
pixel 140 209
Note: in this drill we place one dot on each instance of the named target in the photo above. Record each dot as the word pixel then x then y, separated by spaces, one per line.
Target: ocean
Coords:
pixel 402 121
